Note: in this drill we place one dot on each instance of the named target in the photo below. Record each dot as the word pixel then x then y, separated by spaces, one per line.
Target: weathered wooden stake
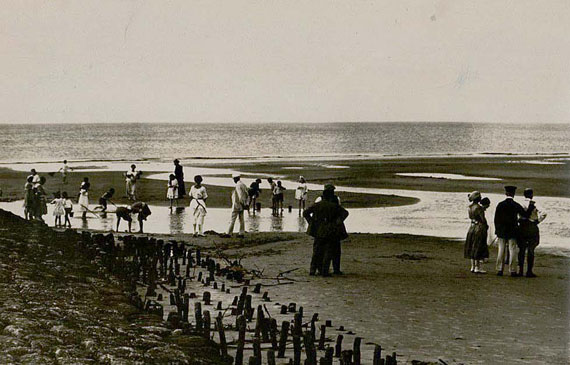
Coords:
pixel 296 350
pixel 356 351
pixel 222 335
pixel 283 339
pixel 257 288
pixel 273 333
pixel 207 324
pixel 270 357
pixel 198 315
pixel 257 350
pixel 338 346
pixel 241 325
pixel 322 338
pixel 377 355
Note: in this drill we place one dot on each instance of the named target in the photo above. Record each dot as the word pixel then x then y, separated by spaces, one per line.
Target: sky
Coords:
pixel 284 61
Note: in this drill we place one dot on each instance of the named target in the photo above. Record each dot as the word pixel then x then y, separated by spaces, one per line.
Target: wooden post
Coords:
pixel 283 309
pixel 283 339
pixel 296 350
pixel 338 346
pixel 346 357
pixel 222 335
pixel 219 306
pixel 273 333
pixel 377 355
pixel 198 315
pixel 257 288
pixel 207 324
pixel 259 321
pixel 356 350
pixel 241 325
pixel 270 357
pixel 309 342
pixel 257 350
pixel 298 324
pixel 322 338
pixel 292 307
pixel 252 360
pixel 206 298
pixel 186 308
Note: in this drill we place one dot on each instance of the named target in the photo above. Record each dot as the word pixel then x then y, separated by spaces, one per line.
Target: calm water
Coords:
pixel 30 143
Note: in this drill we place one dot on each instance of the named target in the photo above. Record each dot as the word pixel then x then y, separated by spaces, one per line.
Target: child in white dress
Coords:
pixel 59 209
pixel 198 196
pixel 172 191
pixel 301 194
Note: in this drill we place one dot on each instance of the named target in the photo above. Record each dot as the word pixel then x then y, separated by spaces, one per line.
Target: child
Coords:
pixel 68 208
pixel 301 194
pixel 104 198
pixel 59 209
pixel 278 193
pixel 172 191
pixel 139 208
pixel 83 197
pixel 272 186
pixel 253 194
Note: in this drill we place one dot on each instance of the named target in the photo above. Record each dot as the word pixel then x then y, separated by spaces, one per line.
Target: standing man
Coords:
pixel 506 229
pixel 239 202
pixel 326 225
pixel 131 182
pixel 529 236
pixel 179 174
pixel 64 171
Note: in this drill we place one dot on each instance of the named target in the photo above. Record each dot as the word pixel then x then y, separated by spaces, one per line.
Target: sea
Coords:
pixel 138 141
pixel 116 146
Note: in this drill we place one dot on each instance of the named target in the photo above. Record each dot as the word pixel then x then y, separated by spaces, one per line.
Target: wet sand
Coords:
pixel 415 295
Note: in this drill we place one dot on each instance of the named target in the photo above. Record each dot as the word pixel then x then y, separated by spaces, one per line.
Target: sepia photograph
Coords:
pixel 285 182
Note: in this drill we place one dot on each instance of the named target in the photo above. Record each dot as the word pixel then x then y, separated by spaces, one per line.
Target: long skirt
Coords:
pixel 83 202
pixel 476 242
pixel 198 211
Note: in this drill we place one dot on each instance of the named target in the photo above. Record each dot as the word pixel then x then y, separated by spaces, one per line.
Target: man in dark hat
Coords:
pixel 529 235
pixel 326 225
pixel 506 229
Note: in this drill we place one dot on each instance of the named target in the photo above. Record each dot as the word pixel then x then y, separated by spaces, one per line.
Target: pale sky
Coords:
pixel 284 61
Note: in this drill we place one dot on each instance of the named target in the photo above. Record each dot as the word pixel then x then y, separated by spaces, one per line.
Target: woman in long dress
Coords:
pixel 179 173
pixel 198 196
pixel 172 192
pixel 476 241
pixel 29 198
pixel 83 198
pixel 40 201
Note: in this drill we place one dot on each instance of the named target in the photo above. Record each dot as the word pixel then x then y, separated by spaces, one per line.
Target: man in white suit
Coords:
pixel 239 202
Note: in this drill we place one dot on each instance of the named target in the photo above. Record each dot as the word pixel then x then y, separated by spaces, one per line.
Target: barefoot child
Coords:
pixel 139 208
pixel 59 209
pixel 68 208
pixel 105 198
pixel 278 193
pixel 172 191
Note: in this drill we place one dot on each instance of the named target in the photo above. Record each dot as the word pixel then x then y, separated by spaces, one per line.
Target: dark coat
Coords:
pixel 179 173
pixel 506 218
pixel 326 220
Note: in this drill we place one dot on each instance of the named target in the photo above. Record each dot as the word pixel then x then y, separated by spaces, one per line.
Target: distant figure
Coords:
pixel 179 173
pixel 68 208
pixel 105 198
pixel 272 186
pixel 132 177
pixel 83 197
pixel 239 201
pixel 172 190
pixel 476 242
pixel 29 198
pixel 253 193
pixel 59 208
pixel 506 229
pixel 198 196
pixel 64 171
pixel 301 194
pixel 326 225
pixel 529 235
pixel 278 192
pixel 40 199
pixel 141 209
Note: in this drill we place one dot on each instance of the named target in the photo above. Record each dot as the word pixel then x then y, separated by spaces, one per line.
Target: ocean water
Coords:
pixel 52 142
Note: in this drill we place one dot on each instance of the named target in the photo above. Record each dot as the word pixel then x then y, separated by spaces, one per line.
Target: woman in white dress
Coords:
pixel 172 192
pixel 83 198
pixel 198 196
pixel 301 194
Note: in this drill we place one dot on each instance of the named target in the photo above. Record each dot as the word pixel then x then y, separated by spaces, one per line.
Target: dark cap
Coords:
pixel 528 192
pixel 329 187
pixel 510 189
pixel 176 160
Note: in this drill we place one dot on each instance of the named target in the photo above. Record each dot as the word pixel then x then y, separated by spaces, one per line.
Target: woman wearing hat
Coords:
pixel 179 173
pixel 476 241
pixel 301 194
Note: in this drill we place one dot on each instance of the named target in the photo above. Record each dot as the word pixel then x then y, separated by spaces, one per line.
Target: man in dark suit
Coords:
pixel 506 229
pixel 326 225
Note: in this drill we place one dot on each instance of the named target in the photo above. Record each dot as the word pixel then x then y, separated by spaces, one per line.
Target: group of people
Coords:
pixel 516 230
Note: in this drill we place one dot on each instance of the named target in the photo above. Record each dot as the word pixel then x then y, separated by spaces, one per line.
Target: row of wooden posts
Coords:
pixel 149 262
